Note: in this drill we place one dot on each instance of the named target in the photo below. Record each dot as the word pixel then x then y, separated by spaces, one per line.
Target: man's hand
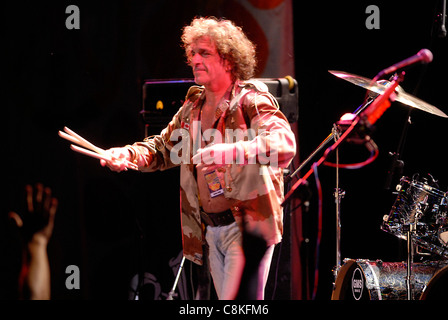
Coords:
pixel 119 156
pixel 220 154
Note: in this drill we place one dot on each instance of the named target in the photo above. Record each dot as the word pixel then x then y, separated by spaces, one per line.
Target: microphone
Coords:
pixel 423 56
pixel 374 111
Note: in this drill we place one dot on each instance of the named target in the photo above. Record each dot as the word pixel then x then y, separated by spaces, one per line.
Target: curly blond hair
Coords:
pixel 230 41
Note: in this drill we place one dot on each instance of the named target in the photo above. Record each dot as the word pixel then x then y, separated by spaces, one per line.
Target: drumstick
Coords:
pixel 68 137
pixel 83 142
pixel 104 157
pixel 76 138
pixel 90 153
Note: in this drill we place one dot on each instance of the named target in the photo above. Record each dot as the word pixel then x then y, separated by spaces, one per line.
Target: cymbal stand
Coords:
pixel 338 195
pixel 410 260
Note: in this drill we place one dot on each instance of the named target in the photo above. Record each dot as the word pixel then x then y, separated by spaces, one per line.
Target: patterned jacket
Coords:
pixel 255 188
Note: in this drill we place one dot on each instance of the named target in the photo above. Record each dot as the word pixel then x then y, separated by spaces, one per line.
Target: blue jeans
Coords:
pixel 227 260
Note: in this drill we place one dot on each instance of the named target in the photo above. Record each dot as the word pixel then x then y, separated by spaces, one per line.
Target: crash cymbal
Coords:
pixel 379 88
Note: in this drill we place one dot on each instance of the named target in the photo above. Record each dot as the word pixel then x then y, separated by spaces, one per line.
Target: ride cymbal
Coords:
pixel 402 96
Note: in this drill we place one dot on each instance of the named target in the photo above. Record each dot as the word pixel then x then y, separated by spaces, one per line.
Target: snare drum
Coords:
pixel 424 206
pixel 376 280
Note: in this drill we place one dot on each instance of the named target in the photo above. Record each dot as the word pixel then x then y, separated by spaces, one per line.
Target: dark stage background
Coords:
pixel 90 80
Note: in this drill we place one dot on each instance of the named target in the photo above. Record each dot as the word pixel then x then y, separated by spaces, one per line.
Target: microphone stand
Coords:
pixel 171 294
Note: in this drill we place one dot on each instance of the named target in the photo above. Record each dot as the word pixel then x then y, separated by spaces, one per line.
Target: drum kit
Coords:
pixel 419 216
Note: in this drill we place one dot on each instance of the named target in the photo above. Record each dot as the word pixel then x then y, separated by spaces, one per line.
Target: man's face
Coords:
pixel 208 67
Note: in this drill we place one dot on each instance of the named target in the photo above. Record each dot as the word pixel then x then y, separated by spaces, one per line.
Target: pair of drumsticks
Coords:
pixel 90 149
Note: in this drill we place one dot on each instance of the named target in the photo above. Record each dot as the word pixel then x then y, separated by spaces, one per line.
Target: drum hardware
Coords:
pixel 410 228
pixel 418 216
pixel 338 195
pixel 421 253
pixel 419 203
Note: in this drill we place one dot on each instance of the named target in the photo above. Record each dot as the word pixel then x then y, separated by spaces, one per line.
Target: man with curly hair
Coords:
pixel 232 143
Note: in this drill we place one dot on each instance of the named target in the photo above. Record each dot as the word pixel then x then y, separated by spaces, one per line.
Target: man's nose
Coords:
pixel 196 59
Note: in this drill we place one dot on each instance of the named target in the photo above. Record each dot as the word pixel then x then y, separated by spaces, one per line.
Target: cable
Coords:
pixel 319 231
pixel 374 152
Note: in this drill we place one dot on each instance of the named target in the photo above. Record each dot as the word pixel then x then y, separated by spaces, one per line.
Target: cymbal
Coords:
pixel 379 88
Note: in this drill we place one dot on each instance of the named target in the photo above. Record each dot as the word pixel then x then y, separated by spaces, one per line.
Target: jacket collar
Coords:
pixel 224 104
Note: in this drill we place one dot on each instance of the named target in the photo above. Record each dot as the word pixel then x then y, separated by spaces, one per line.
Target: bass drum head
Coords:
pixel 437 287
pixel 350 283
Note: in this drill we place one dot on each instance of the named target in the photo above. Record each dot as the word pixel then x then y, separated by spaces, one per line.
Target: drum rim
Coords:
pixel 341 283
pixel 433 281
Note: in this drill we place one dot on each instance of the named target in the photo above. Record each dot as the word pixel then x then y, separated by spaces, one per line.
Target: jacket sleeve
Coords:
pixel 155 152
pixel 274 142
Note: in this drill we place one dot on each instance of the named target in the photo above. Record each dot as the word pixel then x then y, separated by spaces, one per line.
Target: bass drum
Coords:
pixel 437 288
pixel 377 280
